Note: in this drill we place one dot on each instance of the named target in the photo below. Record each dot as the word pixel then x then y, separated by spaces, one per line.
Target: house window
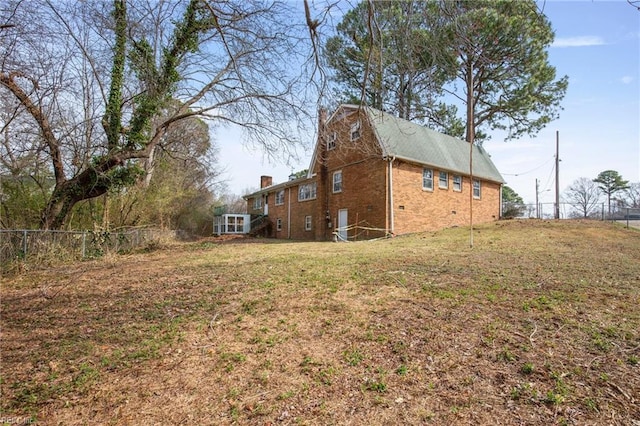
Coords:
pixel 278 224
pixel 331 141
pixel 307 223
pixel 427 179
pixel 307 191
pixel 257 203
pixel 443 181
pixel 355 130
pixel 476 189
pixel 280 197
pixel 457 183
pixel 337 181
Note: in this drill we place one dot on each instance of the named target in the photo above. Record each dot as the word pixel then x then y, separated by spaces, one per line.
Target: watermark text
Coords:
pixel 17 420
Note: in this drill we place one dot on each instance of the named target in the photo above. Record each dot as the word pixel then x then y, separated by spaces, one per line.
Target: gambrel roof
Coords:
pixel 414 143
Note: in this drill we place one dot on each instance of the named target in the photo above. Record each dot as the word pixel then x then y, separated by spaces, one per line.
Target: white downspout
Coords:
pixel 500 202
pixel 391 218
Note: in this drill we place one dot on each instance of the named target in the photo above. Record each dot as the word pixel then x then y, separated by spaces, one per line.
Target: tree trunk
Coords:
pixel 149 167
pixel 58 208
pixel 88 184
pixel 105 212
pixel 470 104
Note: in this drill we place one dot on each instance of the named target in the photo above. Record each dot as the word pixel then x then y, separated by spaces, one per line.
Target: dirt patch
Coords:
pixel 537 324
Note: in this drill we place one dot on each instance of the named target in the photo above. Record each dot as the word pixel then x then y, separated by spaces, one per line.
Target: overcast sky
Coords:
pixel 598 46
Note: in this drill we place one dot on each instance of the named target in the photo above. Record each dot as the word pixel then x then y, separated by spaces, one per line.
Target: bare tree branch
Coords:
pixel 8 81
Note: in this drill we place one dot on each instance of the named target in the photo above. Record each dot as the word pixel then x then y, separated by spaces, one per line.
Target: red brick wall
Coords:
pixel 280 211
pixel 365 195
pixel 416 209
pixel 299 210
pixel 363 192
pixel 293 217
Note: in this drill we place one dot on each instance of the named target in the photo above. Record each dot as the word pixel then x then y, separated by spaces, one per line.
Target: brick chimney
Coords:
pixel 265 181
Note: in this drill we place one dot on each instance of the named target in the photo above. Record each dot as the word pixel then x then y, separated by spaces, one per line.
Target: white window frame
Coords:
pixel 477 189
pixel 442 185
pixel 307 223
pixel 331 141
pixel 280 197
pixel 279 224
pixel 231 224
pixel 457 183
pixel 355 131
pixel 307 191
pixel 257 202
pixel 427 181
pixel 337 181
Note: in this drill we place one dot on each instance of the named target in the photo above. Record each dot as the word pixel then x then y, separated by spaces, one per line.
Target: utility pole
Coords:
pixel 557 215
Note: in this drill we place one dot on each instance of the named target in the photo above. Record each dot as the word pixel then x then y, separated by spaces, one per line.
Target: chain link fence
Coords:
pixel 548 211
pixel 599 211
pixel 629 216
pixel 34 245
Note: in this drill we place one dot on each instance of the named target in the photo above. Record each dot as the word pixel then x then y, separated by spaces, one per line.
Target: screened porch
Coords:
pixel 231 224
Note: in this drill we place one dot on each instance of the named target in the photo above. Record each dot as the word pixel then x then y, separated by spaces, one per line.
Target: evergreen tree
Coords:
pixel 512 203
pixel 487 57
pixel 610 182
pixel 382 56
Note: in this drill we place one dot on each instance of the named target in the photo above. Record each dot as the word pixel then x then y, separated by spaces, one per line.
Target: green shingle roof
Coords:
pixel 415 143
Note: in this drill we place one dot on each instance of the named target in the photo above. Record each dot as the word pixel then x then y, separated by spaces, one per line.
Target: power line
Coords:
pixel 529 171
pixel 546 185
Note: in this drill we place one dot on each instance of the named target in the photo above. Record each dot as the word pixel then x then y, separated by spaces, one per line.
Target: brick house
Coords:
pixel 372 175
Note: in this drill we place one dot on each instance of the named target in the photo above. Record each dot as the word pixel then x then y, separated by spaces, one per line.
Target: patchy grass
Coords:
pixel 537 324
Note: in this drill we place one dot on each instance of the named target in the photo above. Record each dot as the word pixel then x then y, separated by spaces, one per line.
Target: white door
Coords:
pixel 342 224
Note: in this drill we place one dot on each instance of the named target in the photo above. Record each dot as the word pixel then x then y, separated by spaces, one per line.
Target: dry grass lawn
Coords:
pixel 538 324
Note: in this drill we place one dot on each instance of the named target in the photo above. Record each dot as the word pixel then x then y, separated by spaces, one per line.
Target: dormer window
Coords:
pixel 331 141
pixel 355 131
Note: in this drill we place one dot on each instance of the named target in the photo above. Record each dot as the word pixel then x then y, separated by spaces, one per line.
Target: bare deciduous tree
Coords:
pixel 584 194
pixel 633 195
pixel 98 82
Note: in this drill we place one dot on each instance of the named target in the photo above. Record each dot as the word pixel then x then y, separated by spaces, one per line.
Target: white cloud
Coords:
pixel 580 41
pixel 626 79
